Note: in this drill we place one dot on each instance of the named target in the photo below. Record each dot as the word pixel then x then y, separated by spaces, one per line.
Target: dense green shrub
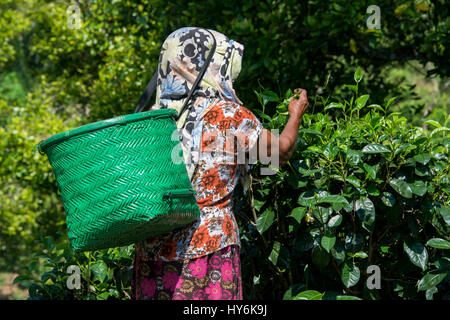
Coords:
pixel 104 274
pixel 54 77
pixel 363 188
pixel 29 200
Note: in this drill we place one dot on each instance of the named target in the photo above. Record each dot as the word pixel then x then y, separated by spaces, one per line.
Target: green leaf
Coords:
pixel 417 254
pixel 430 280
pixel 373 148
pixel 344 297
pixel 370 171
pixel 265 220
pixel 322 213
pixel 298 213
pixel 311 131
pixel 388 199
pixel 104 295
pixel 307 199
pixel 273 257
pixel 330 150
pixel 338 252
pixel 389 102
pixel 328 242
pixel 293 291
pixel 393 114
pixel 360 255
pixel 421 171
pixel 295 181
pixel 258 204
pixel 350 274
pixel 278 254
pixel 430 292
pixel 401 187
pixel 358 75
pixel 365 210
pixel 303 242
pixel 315 149
pixel 361 102
pixel 21 278
pixel 263 115
pixel 354 156
pixel 433 123
pixel 99 270
pixel 445 214
pixel 372 190
pixel 354 181
pixel 308 295
pixel 418 187
pixel 337 206
pixel 334 105
pixel 376 106
pixel 333 199
pixel 438 243
pixel 438 130
pixel 333 295
pixel 422 158
pixel 405 147
pixel 352 87
pixel 320 257
pixel 335 221
pixel 267 96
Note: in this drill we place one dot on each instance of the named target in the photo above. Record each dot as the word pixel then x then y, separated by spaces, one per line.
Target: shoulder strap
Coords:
pixel 151 86
pixel 148 92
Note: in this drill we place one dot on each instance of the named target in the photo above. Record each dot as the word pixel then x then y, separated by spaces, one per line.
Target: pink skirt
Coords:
pixel 216 276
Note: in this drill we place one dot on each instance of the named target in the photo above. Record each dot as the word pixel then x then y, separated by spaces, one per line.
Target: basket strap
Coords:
pixel 199 77
pixel 148 92
pixel 151 86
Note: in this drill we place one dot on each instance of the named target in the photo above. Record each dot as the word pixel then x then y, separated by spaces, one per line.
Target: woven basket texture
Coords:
pixel 116 177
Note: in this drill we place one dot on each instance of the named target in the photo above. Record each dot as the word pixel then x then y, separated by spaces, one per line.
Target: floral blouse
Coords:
pixel 227 127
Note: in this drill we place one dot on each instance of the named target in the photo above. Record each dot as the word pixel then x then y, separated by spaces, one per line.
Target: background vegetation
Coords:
pixel 384 175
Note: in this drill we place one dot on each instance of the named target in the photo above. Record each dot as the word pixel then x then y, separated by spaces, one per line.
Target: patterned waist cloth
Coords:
pixel 216 276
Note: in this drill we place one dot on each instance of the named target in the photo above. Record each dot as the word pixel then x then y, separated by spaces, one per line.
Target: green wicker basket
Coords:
pixel 118 182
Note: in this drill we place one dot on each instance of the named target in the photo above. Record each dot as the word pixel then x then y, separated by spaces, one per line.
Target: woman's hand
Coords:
pixel 299 103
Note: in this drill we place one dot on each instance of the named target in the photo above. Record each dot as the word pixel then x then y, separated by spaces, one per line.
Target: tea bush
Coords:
pixel 363 188
pixel 29 200
pixel 103 275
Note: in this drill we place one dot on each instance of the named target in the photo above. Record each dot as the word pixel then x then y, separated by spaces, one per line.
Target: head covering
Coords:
pixel 182 55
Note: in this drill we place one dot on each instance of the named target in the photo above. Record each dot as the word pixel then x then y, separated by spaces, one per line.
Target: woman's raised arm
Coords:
pixel 287 141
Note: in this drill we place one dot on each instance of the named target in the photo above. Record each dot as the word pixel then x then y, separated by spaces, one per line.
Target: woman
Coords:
pixel 201 260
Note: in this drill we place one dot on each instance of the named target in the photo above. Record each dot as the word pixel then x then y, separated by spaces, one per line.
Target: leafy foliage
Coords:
pixel 104 275
pixel 29 196
pixel 363 188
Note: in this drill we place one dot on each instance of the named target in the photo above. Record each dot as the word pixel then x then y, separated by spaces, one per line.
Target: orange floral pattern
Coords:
pixel 215 181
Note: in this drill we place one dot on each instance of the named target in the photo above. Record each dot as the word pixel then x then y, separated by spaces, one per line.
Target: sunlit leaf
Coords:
pixel 373 148
pixel 350 274
pixel 438 243
pixel 417 253
pixel 401 187
pixel 265 220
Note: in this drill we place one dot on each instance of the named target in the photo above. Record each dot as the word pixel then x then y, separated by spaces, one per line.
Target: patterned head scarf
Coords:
pixel 182 55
